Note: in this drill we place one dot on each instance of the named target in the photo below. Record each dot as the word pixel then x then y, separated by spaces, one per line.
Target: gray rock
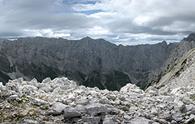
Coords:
pixel 96 109
pixel 166 115
pixel 154 111
pixel 190 109
pixel 38 102
pixel 191 120
pixel 177 116
pixel 46 80
pixel 109 121
pixel 161 121
pixel 57 108
pixel 71 113
pixel 82 101
pixel 29 121
pixel 13 97
pixel 181 106
pixel 2 87
pixel 141 120
pixel 14 85
pixel 91 120
pixel 173 122
pixel 29 89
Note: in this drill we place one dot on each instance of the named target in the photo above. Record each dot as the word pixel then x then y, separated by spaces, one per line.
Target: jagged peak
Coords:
pixel 164 42
pixel 87 38
pixel 192 34
pixel 190 37
pixel 99 41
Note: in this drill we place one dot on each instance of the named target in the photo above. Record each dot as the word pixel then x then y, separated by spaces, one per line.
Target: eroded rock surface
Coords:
pixel 63 101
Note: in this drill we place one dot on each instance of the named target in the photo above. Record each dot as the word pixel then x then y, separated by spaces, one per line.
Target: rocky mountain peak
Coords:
pixel 190 37
pixel 87 38
pixel 164 42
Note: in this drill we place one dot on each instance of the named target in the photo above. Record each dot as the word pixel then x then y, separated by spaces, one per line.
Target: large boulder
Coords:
pixel 141 120
pixel 71 113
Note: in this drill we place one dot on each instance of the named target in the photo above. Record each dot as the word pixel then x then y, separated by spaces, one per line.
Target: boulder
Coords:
pixel 131 88
pixel 13 98
pixel 71 113
pixel 38 102
pixel 154 111
pixel 96 109
pixel 28 89
pixel 109 120
pixel 191 120
pixel 91 120
pixel 141 120
pixel 177 117
pixel 58 108
pixel 29 121
pixel 2 87
pixel 82 101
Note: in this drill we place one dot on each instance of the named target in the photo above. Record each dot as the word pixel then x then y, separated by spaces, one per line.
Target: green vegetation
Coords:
pixel 192 97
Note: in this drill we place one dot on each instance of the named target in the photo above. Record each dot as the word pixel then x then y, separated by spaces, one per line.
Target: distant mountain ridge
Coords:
pixel 88 61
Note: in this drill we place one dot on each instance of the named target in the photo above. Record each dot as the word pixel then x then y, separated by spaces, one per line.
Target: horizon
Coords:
pixel 126 22
pixel 116 43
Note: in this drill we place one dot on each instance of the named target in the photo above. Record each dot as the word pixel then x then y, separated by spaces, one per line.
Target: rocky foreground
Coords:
pixel 63 101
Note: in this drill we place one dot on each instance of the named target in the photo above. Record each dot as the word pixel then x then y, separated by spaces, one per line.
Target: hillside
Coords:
pixel 182 48
pixel 181 75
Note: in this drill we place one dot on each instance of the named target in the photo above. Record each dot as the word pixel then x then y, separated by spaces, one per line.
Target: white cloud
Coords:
pixel 97 30
pixel 47 33
pixel 136 21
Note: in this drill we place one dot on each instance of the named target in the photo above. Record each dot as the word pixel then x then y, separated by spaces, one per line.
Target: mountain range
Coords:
pixel 90 62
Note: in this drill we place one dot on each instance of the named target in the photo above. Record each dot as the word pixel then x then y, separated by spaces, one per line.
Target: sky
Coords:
pixel 127 22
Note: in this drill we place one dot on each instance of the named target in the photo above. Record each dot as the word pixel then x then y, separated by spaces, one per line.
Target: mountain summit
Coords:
pixel 191 37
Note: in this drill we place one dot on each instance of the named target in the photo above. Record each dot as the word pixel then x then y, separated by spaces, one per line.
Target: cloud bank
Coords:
pixel 119 21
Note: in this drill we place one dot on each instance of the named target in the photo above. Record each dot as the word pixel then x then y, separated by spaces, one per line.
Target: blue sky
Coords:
pixel 119 21
pixel 90 12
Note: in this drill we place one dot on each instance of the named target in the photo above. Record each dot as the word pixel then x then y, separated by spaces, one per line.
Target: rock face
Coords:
pixel 177 52
pixel 181 75
pixel 87 61
pixel 62 101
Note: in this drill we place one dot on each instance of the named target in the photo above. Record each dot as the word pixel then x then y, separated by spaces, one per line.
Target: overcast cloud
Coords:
pixel 119 21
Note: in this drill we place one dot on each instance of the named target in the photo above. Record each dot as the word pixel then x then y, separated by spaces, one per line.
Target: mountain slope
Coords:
pixel 181 75
pixel 180 50
pixel 177 52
